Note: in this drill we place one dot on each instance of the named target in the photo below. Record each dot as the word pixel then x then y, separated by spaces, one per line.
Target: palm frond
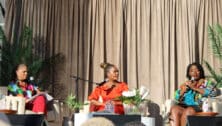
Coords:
pixel 215 42
pixel 211 70
pixel 214 33
pixel 22 51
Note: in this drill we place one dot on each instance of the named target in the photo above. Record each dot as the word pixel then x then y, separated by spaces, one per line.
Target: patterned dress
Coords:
pixel 194 98
pixel 26 91
pixel 38 104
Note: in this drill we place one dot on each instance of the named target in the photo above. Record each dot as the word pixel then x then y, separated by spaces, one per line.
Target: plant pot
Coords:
pixel 67 121
pixel 141 109
pixel 130 109
pixel 76 110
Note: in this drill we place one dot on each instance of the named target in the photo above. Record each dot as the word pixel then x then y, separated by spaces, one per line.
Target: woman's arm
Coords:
pixel 183 89
pixel 117 102
pixel 180 92
pixel 38 91
pixel 195 88
pixel 95 102
pixel 200 90
pixel 14 90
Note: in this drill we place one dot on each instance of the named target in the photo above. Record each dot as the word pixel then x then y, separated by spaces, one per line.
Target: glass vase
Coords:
pixel 131 109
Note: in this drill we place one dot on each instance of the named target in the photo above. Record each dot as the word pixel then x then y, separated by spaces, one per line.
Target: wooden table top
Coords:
pixel 206 113
pixel 7 111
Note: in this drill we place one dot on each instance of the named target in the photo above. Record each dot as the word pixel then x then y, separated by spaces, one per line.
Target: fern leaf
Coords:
pixel 215 40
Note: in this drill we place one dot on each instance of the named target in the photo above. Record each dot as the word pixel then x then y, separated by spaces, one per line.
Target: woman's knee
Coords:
pixel 190 111
pixel 176 110
pixel 39 104
pixel 40 98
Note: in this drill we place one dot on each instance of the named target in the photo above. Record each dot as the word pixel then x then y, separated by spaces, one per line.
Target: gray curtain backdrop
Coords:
pixel 151 41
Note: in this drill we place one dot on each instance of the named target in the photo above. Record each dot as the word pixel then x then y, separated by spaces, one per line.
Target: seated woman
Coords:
pixel 189 95
pixel 108 91
pixel 21 87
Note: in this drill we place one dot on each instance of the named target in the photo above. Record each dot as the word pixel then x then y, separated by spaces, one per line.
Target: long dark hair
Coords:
pixel 199 67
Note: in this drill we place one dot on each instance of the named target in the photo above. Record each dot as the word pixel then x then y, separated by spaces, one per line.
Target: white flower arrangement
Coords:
pixel 135 96
pixel 132 100
pixel 129 93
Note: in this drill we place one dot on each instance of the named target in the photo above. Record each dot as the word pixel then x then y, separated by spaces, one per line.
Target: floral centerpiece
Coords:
pixel 134 101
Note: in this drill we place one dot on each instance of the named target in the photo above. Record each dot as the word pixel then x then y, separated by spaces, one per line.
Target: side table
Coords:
pixel 206 114
pixel 202 119
pixel 148 121
pixel 7 111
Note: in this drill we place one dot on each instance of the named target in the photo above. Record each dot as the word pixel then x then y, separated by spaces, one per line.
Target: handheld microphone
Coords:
pixel 192 79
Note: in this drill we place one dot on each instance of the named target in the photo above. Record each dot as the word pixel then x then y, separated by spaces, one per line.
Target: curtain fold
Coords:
pixel 151 41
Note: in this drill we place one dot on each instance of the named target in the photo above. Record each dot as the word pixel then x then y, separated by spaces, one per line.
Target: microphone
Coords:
pixel 31 78
pixel 192 79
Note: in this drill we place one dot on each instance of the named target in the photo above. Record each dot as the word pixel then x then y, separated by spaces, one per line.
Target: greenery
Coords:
pixel 134 97
pixel 215 41
pixel 73 103
pixel 23 51
pixel 135 100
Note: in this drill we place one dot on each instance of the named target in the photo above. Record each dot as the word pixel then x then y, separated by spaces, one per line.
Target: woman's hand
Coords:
pixel 194 86
pixel 38 91
pixel 95 102
pixel 190 84
pixel 183 89
pixel 27 100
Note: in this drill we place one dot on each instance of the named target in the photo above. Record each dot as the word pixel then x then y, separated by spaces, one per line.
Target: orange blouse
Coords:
pixel 106 95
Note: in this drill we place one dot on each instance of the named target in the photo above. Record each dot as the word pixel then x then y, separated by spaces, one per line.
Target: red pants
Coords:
pixel 37 105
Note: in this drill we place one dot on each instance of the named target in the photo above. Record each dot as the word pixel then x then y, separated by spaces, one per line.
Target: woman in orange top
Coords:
pixel 108 91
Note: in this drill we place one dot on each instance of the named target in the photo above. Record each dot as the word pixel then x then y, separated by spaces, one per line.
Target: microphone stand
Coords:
pixel 77 85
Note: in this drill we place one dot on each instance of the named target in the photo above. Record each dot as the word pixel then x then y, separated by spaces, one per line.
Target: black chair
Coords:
pixel 26 120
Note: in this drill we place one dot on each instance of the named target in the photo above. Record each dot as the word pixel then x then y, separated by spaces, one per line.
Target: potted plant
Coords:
pixel 74 106
pixel 215 42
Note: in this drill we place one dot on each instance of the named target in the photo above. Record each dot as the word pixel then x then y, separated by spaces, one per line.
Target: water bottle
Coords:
pixel 205 106
pixel 109 107
pixel 2 101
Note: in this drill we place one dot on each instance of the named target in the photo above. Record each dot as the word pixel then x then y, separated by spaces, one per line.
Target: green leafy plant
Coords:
pixel 134 98
pixel 215 76
pixel 73 103
pixel 215 42
pixel 23 51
